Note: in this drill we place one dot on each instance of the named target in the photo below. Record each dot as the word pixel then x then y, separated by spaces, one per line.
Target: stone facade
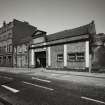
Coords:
pixel 21 55
pixel 12 35
pixel 23 45
pixel 6 45
pixel 37 53
pixel 98 50
pixel 56 51
pixel 71 49
pixel 72 56
pixel 74 48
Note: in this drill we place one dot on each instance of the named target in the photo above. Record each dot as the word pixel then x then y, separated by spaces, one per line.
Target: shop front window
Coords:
pixel 71 57
pixel 80 57
pixel 76 57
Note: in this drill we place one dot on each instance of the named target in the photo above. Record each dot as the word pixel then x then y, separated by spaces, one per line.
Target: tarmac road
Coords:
pixel 23 89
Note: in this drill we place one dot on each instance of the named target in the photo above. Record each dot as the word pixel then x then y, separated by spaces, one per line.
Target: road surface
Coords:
pixel 21 89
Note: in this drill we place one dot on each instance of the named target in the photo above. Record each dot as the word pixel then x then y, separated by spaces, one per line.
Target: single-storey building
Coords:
pixel 68 49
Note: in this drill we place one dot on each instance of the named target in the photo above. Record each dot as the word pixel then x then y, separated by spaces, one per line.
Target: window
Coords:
pixel 19 49
pixel 76 57
pixel 0 49
pixel 24 48
pixel 4 37
pixel 5 49
pixel 60 57
pixel 0 60
pixel 10 48
pixel 10 35
pixel 26 60
pixel 71 57
pixel 1 38
pixel 80 57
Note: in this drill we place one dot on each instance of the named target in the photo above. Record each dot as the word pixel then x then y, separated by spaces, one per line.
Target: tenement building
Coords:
pixel 69 49
pixel 21 58
pixel 11 36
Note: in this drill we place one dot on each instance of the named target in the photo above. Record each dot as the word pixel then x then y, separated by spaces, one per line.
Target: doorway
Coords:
pixel 40 59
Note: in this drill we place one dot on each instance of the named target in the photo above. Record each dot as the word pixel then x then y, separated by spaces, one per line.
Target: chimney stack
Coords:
pixel 4 23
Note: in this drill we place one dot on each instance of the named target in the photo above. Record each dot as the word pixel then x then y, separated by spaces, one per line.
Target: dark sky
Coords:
pixel 55 15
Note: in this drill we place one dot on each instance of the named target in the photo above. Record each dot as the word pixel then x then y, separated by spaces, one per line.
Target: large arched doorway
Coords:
pixel 40 59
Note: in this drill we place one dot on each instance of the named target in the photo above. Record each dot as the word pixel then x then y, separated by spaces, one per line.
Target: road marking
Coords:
pixel 10 89
pixel 90 99
pixel 41 79
pixel 38 86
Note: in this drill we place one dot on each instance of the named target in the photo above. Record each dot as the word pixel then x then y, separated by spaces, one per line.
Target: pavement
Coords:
pixel 56 72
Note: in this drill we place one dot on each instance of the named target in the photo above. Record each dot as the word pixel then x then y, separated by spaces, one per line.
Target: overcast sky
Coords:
pixel 55 15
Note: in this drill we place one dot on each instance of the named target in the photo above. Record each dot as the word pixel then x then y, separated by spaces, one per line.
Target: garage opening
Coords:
pixel 40 59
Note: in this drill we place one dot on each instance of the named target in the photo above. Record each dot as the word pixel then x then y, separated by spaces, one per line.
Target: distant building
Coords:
pixel 98 51
pixel 11 36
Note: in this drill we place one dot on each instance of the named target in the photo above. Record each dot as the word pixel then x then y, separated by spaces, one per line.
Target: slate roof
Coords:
pixel 82 30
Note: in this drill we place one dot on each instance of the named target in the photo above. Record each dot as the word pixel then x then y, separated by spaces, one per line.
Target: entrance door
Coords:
pixel 40 59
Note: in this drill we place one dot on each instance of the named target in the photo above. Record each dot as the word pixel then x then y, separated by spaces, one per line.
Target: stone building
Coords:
pixel 21 58
pixel 11 35
pixel 6 34
pixel 69 49
pixel 37 50
pixel 98 51
pixel 23 45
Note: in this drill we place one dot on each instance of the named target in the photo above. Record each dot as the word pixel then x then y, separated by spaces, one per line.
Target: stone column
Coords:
pixel 32 60
pixel 49 56
pixel 87 56
pixel 65 55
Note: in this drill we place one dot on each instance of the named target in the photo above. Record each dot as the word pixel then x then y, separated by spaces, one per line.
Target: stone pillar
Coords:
pixel 49 56
pixel 87 56
pixel 65 55
pixel 32 60
pixel 90 63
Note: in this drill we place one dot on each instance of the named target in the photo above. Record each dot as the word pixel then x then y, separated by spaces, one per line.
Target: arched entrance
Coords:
pixel 40 59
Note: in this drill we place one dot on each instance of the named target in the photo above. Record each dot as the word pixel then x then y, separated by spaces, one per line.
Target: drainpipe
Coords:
pixel 90 65
pixel 28 56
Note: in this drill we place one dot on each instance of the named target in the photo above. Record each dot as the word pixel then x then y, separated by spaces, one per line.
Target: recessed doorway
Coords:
pixel 40 59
